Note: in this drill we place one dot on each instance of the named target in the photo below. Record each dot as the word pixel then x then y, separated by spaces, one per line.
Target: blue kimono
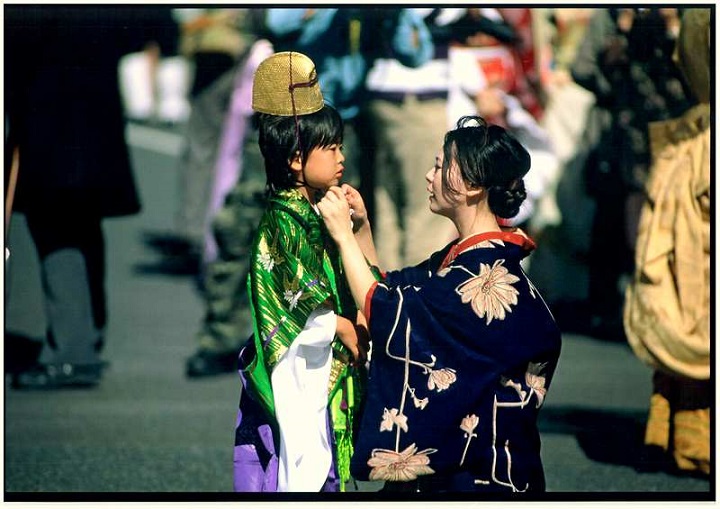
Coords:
pixel 463 352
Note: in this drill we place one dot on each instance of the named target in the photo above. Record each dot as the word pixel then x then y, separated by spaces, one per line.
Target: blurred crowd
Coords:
pixel 577 86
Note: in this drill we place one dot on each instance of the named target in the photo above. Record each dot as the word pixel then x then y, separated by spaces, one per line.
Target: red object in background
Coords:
pixel 498 66
pixel 528 80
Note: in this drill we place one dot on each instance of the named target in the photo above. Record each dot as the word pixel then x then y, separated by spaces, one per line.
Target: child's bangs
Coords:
pixel 326 128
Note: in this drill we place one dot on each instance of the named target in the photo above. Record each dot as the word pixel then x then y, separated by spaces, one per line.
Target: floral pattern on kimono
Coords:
pixel 464 349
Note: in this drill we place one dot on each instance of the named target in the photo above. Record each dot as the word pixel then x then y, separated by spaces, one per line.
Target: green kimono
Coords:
pixel 295 269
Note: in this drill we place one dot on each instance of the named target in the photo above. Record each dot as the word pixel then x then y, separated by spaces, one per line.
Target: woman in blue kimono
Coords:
pixel 463 345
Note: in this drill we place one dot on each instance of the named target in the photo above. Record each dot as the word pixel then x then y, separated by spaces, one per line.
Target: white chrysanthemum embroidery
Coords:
pixel 399 466
pixel 491 293
pixel 441 379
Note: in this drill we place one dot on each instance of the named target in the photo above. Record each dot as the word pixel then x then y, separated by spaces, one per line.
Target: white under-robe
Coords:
pixel 300 389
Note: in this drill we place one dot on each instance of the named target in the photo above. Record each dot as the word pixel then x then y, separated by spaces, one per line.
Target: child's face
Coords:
pixel 324 167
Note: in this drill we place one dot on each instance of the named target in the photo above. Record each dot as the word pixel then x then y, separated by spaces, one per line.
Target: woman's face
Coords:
pixel 442 201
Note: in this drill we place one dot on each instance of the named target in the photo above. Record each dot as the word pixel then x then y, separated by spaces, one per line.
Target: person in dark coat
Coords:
pixel 65 117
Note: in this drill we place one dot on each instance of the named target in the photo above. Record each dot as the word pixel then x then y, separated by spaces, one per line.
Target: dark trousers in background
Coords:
pixel 71 250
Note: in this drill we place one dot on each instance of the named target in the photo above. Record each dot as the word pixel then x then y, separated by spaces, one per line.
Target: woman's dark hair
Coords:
pixel 280 138
pixel 488 157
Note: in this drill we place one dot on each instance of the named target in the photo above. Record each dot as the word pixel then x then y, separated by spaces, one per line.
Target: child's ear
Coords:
pixel 296 162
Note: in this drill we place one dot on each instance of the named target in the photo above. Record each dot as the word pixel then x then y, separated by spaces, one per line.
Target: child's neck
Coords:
pixel 310 193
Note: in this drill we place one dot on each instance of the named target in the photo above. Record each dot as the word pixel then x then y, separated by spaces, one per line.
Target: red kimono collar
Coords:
pixel 513 238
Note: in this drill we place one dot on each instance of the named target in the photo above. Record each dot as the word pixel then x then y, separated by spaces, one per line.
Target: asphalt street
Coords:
pixel 149 432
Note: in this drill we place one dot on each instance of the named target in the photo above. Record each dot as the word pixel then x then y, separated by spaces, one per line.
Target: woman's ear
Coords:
pixel 474 194
pixel 474 191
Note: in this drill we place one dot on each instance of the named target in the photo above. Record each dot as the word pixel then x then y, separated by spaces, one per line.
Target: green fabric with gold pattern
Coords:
pixel 296 268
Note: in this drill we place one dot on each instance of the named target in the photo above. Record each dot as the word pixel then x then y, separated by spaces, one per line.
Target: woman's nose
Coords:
pixel 430 174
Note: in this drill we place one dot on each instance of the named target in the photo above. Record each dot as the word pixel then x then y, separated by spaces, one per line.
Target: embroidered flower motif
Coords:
pixel 391 418
pixel 399 466
pixel 269 256
pixel 293 293
pixel 267 261
pixel 419 403
pixel 506 382
pixel 491 293
pixel 468 425
pixel 536 381
pixel 292 298
pixel 441 379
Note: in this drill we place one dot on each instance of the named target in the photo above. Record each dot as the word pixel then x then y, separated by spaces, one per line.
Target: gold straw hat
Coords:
pixel 286 84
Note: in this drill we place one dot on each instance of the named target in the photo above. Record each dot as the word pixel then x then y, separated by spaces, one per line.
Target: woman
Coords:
pixel 463 345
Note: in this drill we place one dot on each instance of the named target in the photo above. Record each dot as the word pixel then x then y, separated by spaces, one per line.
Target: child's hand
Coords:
pixel 353 339
pixel 335 211
pixel 358 212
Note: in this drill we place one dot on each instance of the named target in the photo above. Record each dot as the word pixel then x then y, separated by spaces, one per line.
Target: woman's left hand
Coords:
pixel 335 211
pixel 358 212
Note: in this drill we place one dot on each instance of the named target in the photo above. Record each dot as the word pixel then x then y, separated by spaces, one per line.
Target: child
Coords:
pixel 294 429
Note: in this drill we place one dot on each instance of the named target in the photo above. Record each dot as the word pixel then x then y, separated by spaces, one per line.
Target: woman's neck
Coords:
pixel 478 220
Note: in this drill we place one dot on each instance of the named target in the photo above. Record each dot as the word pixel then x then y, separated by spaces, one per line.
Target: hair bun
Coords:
pixel 505 200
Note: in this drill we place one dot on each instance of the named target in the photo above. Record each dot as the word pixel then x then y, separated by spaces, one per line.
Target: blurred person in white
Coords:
pixel 667 304
pixel 492 96
pixel 408 109
pixel 154 88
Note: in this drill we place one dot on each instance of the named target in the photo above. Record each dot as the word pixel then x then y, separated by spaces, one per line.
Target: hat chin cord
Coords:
pixel 291 89
pixel 319 192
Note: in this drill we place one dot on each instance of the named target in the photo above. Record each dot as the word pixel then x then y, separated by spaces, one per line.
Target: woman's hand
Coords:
pixel 358 211
pixel 335 211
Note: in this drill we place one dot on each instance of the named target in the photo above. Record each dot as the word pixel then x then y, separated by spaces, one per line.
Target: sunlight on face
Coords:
pixel 324 167
pixel 443 201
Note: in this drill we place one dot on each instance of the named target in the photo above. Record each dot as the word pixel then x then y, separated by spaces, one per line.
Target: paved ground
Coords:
pixel 148 432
